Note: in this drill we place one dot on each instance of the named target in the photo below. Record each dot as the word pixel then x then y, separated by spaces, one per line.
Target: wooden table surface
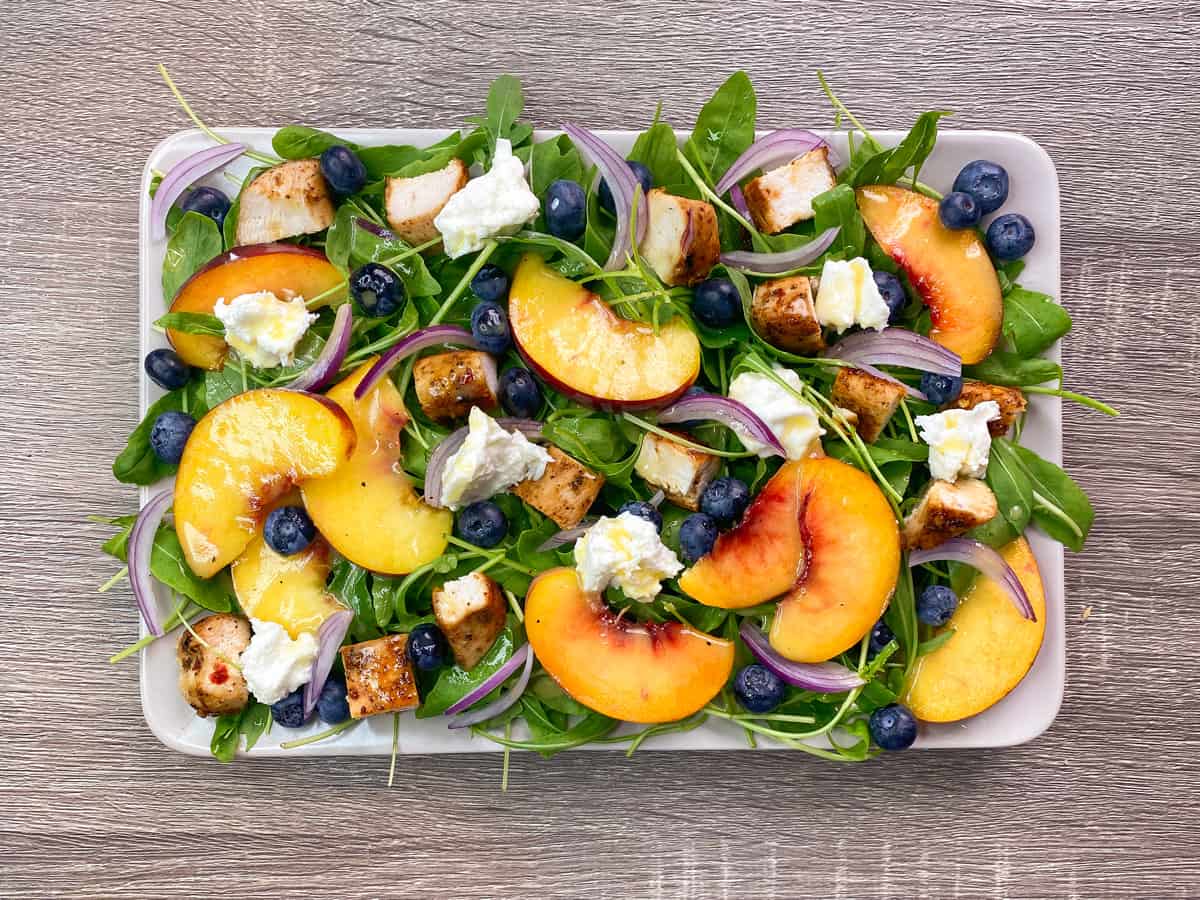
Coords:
pixel 1104 804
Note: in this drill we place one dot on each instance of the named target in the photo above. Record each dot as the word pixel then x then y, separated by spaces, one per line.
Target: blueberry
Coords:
pixel 288 530
pixel 604 195
pixel 643 510
pixel 343 170
pixel 1010 236
pixel 892 727
pixel 758 689
pixel 483 524
pixel 427 648
pixel 959 210
pixel 169 435
pixel 490 283
pixel 936 604
pixel 697 535
pixel 881 636
pixel 717 303
pixel 986 182
pixel 520 394
pixel 892 292
pixel 333 707
pixel 489 327
pixel 566 209
pixel 166 369
pixel 376 289
pixel 940 389
pixel 289 712
pixel 208 202
pixel 725 499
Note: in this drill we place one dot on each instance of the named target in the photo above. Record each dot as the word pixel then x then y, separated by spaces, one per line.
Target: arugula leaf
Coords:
pixel 337 238
pixel 366 246
pixel 655 148
pixel 1007 478
pixel 192 323
pixel 302 142
pixel 889 166
pixel 220 386
pixel 592 439
pixel 1033 321
pixel 226 737
pixel 195 242
pixel 504 104
pixel 454 683
pixel 1060 507
pixel 167 565
pixel 724 129
pixel 439 155
pixel 837 207
pixel 137 463
pixel 1013 370
pixel 380 162
pixel 350 585
pixel 255 720
pixel 549 161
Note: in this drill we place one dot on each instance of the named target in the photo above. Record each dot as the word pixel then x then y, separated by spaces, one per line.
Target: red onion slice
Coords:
pixel 897 347
pixel 775 149
pixel 327 364
pixel 821 678
pixel 984 559
pixel 500 704
pixel 415 342
pixel 908 388
pixel 729 413
pixel 625 189
pixel 569 535
pixel 738 199
pixel 182 175
pixel 785 261
pixel 141 547
pixel 329 639
pixel 522 657
pixel 450 444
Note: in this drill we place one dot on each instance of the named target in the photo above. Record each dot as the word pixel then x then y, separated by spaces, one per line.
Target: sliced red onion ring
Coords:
pixel 729 413
pixel 775 149
pixel 625 189
pixel 415 342
pixel 569 535
pixel 327 364
pixel 522 657
pixel 141 546
pixel 500 704
pixel 821 678
pixel 378 230
pixel 897 347
pixel 182 176
pixel 984 559
pixel 329 639
pixel 738 199
pixel 908 388
pixel 785 261
pixel 450 444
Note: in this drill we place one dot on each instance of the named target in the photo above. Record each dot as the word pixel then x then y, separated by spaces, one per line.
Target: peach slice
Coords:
pixel 950 269
pixel 578 345
pixel 244 455
pixel 992 649
pixel 638 672
pixel 368 509
pixel 286 270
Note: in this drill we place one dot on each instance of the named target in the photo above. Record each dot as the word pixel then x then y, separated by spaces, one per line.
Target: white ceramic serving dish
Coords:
pixel 1021 716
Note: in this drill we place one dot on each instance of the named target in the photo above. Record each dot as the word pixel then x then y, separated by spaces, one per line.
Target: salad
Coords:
pixel 538 439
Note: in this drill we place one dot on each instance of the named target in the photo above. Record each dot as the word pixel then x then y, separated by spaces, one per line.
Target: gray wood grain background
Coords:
pixel 1105 804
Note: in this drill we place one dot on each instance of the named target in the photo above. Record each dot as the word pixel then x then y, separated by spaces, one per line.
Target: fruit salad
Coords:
pixel 559 446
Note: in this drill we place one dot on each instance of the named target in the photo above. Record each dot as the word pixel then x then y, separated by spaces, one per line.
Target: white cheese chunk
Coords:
pixel 790 419
pixel 959 440
pixel 497 202
pixel 849 296
pixel 625 552
pixel 263 329
pixel 274 665
pixel 490 460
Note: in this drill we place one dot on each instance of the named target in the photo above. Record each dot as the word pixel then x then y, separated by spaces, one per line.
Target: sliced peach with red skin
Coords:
pixel 286 270
pixel 992 649
pixel 242 456
pixel 625 669
pixel 579 346
pixel 951 270
pixel 368 509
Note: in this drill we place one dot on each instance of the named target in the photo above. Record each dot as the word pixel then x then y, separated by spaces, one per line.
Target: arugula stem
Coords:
pixel 252 154
pixel 507 754
pixel 708 192
pixel 912 427
pixel 662 432
pixel 496 556
pixel 395 747
pixel 845 110
pixel 463 283
pixel 313 738
pixel 112 582
pixel 1081 399
pixel 179 612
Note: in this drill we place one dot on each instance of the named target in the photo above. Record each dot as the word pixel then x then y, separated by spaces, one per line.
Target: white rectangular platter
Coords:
pixel 1021 716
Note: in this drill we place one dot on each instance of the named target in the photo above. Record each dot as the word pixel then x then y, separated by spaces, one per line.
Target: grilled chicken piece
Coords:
pixel 784 314
pixel 379 677
pixel 285 201
pixel 208 677
pixel 470 611
pixel 565 492
pixel 947 511
pixel 1011 401
pixel 413 203
pixel 872 399
pixel 681 243
pixel 782 197
pixel 449 384
pixel 679 472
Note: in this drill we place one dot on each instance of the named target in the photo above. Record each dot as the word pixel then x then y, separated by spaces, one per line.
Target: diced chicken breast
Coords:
pixel 379 677
pixel 948 510
pixel 285 201
pixel 449 384
pixel 1011 401
pixel 872 399
pixel 413 203
pixel 565 492
pixel 784 314
pixel 681 243
pixel 782 197
pixel 679 472
pixel 209 678
pixel 470 611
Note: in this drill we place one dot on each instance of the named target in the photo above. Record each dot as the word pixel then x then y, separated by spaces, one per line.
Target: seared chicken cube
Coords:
pixel 679 472
pixel 947 510
pixel 872 399
pixel 413 203
pixel 285 201
pixel 379 677
pixel 782 197
pixel 681 243
pixel 449 384
pixel 470 611
pixel 1011 401
pixel 783 313
pixel 565 492
pixel 209 678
